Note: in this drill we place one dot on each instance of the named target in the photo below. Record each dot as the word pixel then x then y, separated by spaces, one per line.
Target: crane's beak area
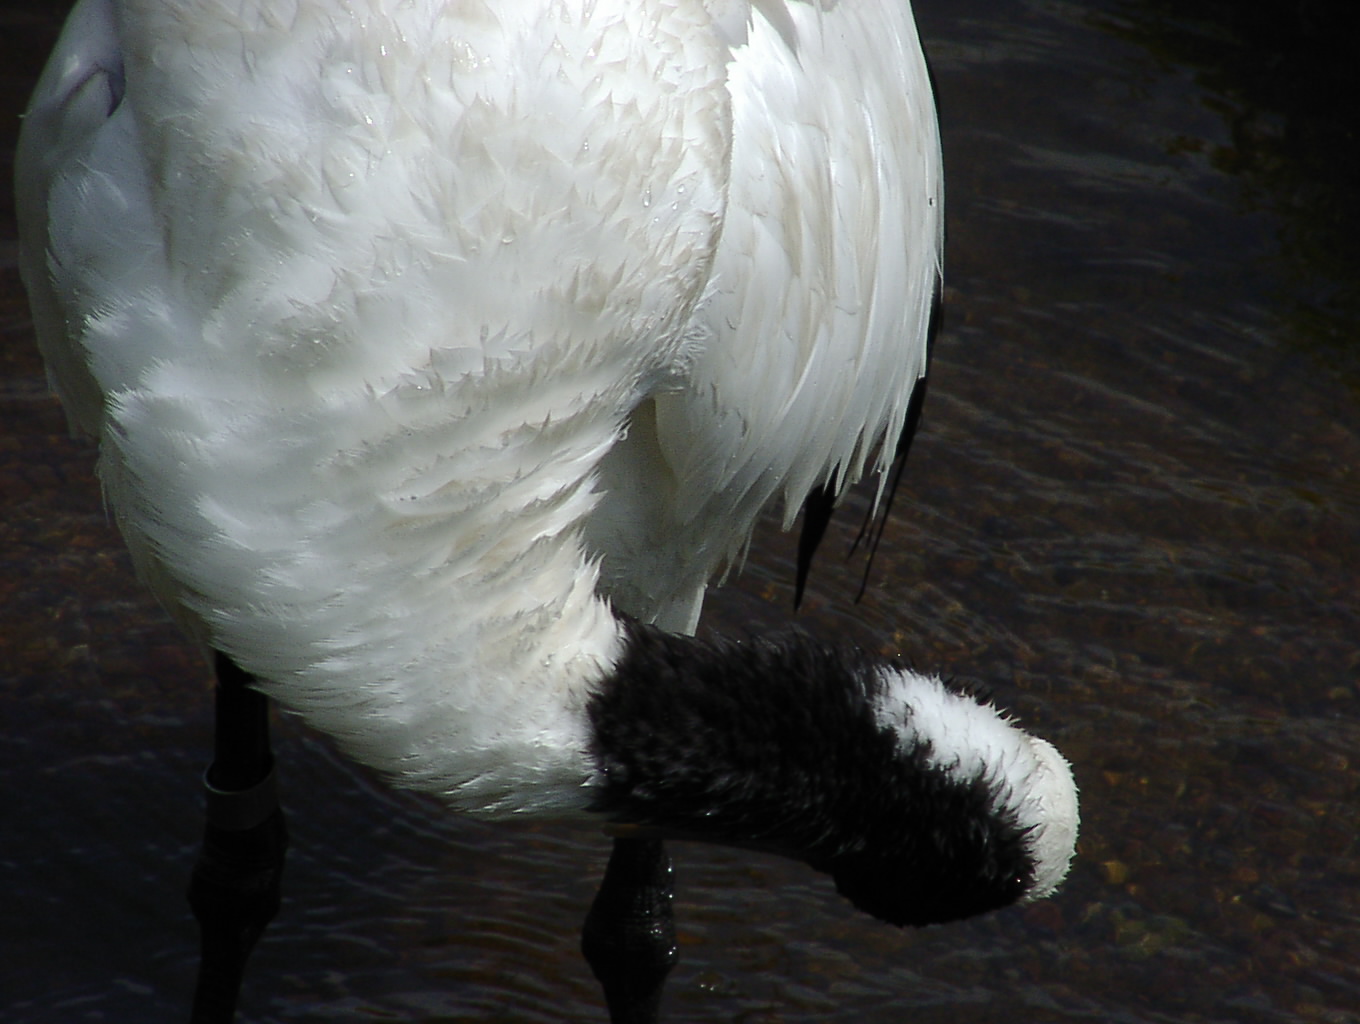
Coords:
pixel 1017 849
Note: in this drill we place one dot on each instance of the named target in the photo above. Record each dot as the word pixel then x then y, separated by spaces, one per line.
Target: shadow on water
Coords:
pixel 1132 514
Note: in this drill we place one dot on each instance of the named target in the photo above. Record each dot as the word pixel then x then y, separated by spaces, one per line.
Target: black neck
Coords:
pixel 775 744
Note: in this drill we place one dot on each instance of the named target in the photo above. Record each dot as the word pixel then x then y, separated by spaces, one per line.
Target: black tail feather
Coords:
pixel 820 503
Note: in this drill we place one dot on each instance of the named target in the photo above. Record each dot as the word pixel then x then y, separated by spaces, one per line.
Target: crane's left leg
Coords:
pixel 234 891
pixel 629 935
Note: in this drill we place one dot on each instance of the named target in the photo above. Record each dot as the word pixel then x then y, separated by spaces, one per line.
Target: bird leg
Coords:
pixel 234 891
pixel 629 934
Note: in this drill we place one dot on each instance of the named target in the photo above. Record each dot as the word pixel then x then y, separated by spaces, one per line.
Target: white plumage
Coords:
pixel 422 337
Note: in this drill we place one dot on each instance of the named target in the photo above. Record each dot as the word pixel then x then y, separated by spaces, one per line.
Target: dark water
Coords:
pixel 1133 513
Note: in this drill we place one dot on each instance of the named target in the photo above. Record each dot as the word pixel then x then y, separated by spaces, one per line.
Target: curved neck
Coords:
pixel 908 793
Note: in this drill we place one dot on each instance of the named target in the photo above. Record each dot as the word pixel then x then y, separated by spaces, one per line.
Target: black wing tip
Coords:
pixel 818 508
pixel 820 503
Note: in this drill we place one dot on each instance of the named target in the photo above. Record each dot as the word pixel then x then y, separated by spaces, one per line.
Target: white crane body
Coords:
pixel 432 346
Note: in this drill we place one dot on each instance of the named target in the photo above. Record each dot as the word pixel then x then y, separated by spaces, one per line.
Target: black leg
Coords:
pixel 629 935
pixel 234 891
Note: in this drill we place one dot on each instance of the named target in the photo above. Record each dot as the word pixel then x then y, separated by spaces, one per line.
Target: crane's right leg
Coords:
pixel 234 891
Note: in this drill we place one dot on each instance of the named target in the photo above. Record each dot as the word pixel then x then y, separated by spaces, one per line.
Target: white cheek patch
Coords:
pixel 972 741
pixel 967 739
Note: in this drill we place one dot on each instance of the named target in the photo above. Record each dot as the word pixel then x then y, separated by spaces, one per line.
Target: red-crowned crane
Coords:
pixel 441 352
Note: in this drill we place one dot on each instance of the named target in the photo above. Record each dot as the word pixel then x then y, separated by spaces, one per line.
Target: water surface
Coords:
pixel 1132 514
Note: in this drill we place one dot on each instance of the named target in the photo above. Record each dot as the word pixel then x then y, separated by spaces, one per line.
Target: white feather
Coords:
pixel 814 331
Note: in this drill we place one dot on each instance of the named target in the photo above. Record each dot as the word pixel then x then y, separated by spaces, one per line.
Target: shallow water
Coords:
pixel 1132 514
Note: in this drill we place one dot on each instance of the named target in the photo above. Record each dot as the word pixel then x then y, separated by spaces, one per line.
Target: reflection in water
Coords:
pixel 1132 514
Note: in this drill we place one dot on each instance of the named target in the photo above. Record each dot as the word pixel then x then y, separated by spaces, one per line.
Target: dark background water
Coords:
pixel 1132 514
